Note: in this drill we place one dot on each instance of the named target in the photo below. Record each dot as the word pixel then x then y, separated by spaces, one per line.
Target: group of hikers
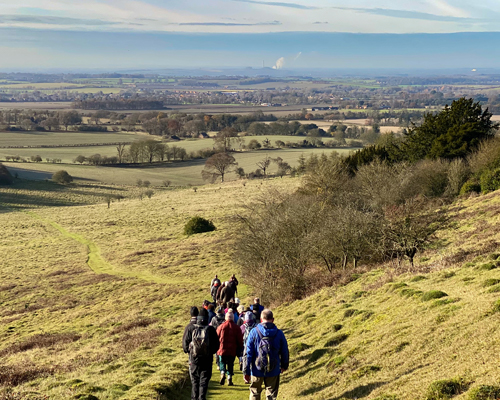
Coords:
pixel 229 330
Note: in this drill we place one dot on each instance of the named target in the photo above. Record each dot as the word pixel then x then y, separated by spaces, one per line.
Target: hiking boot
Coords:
pixel 222 379
pixel 230 381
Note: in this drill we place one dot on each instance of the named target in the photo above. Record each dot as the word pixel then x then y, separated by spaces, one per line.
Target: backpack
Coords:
pixel 248 329
pixel 199 345
pixel 218 321
pixel 265 361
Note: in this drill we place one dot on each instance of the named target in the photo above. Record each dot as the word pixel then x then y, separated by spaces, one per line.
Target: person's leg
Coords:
pixel 255 387
pixel 272 386
pixel 222 365
pixel 194 373
pixel 230 370
pixel 205 376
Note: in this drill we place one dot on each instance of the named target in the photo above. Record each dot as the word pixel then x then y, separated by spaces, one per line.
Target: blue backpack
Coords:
pixel 265 361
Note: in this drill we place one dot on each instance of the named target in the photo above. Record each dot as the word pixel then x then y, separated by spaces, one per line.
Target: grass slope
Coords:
pixel 67 331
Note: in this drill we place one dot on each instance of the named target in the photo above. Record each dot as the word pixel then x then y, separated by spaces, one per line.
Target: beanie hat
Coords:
pixel 249 316
pixel 194 311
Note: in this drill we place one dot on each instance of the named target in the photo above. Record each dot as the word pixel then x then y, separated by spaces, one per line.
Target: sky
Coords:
pixel 128 34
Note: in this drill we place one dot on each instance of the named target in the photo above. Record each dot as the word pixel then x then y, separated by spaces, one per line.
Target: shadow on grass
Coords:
pixel 50 194
pixel 360 391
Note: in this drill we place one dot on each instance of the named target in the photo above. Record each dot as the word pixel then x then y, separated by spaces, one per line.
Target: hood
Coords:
pixel 268 329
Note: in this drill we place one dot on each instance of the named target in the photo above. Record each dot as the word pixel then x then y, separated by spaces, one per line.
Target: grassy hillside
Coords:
pixel 391 334
pixel 93 301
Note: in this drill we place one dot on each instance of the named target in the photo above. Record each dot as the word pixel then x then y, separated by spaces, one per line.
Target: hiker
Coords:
pixel 247 326
pixel 233 279
pixel 266 357
pixel 216 322
pixel 194 313
pixel 215 281
pixel 214 287
pixel 211 312
pixel 257 308
pixel 201 342
pixel 231 345
pixel 241 315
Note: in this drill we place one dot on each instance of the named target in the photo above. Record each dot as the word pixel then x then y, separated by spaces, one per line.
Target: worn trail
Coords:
pixel 96 262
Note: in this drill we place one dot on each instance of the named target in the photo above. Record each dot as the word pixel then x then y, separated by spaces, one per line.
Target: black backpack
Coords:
pixel 218 321
pixel 200 344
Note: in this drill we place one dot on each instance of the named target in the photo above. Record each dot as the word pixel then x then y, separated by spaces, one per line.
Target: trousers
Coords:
pixel 271 385
pixel 200 375
pixel 227 365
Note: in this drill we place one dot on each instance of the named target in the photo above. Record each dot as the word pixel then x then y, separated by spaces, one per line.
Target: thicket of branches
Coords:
pixel 367 208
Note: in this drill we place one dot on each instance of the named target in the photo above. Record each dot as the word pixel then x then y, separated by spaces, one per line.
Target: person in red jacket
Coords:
pixel 231 345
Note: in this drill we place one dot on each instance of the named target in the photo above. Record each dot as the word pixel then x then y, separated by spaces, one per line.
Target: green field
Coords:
pixel 33 138
pixel 95 300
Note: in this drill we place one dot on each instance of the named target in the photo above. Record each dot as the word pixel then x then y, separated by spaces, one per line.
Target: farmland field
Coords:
pixel 34 138
pixel 179 173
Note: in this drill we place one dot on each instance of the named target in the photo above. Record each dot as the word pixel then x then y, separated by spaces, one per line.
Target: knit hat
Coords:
pixel 194 311
pixel 249 316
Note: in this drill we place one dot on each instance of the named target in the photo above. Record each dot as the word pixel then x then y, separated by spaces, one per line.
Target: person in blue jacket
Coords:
pixel 276 349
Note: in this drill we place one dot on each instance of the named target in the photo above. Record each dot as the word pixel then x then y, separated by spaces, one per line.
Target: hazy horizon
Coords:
pixel 153 34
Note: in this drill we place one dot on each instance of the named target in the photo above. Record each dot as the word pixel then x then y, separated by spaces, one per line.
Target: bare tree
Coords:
pixel 121 152
pixel 264 164
pixel 411 226
pixel 218 166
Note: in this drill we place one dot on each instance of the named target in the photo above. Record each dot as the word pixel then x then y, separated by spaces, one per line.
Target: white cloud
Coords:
pixel 255 16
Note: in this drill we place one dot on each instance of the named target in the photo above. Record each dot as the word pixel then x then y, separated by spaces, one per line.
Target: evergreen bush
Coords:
pixel 198 225
pixel 62 177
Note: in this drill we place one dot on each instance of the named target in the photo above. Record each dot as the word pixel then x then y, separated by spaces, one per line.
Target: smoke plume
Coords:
pixel 280 63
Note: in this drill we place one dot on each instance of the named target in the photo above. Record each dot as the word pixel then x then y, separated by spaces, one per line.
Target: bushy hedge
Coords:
pixel 198 225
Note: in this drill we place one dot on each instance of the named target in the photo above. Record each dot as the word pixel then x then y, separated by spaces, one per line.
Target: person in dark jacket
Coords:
pixel 200 367
pixel 211 313
pixel 256 306
pixel 279 354
pixel 194 313
pixel 231 344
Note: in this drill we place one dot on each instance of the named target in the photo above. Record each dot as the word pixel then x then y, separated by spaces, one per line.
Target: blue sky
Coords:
pixel 120 34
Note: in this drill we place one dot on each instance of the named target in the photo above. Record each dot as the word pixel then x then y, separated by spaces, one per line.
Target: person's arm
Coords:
pixel 284 354
pixel 249 353
pixel 186 338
